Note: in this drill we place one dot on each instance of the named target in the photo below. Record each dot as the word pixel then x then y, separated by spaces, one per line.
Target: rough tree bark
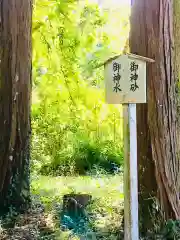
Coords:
pixel 177 58
pixel 15 95
pixel 152 36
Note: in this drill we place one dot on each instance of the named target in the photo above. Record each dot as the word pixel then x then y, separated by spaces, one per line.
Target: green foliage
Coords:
pixel 73 128
pixel 172 230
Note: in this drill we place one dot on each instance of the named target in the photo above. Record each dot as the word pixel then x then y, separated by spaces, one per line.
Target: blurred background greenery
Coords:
pixel 73 128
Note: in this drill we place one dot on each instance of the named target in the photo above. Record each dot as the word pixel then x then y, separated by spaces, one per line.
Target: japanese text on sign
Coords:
pixel 125 80
pixel 116 77
pixel 134 76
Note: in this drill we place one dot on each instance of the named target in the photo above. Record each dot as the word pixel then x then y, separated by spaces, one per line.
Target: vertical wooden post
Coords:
pixel 131 228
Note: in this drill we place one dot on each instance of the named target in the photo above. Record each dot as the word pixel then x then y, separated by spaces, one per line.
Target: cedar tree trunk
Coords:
pixel 159 167
pixel 15 92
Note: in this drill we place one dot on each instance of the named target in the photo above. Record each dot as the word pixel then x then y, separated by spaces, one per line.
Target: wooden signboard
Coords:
pixel 125 79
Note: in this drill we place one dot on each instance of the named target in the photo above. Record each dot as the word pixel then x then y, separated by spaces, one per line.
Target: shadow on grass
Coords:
pixel 104 213
pixel 98 222
pixel 35 224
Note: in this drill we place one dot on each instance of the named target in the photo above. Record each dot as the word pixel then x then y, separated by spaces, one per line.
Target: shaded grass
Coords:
pixel 105 210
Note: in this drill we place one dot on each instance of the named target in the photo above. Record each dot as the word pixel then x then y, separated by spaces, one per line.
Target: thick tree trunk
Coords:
pixel 177 58
pixel 159 168
pixel 15 92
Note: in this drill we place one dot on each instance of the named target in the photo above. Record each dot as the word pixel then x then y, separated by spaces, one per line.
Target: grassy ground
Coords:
pixel 105 211
pixel 43 220
pixel 101 187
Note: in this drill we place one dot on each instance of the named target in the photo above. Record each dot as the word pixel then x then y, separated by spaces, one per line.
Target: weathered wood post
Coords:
pixel 125 80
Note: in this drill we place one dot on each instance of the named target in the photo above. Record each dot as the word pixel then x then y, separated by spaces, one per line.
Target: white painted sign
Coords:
pixel 125 79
